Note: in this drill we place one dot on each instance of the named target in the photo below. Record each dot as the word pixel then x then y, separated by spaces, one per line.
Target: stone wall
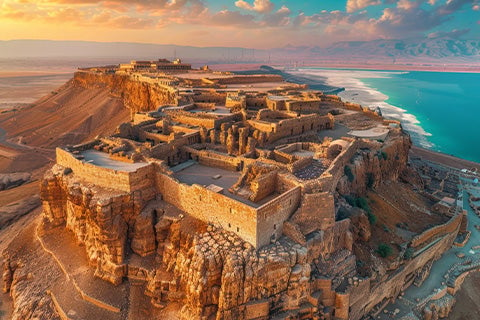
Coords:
pixel 107 178
pixel 292 126
pixel 255 225
pixel 437 231
pixel 214 159
pixel 210 206
pixel 271 215
pixel 263 186
pixel 317 212
pixel 400 279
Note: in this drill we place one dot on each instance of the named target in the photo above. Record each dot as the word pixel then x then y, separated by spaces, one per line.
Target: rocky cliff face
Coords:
pixel 375 162
pixel 99 219
pixel 136 95
pixel 212 273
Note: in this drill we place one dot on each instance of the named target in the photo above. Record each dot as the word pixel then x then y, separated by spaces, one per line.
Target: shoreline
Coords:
pixel 355 66
pixel 443 158
pixel 398 67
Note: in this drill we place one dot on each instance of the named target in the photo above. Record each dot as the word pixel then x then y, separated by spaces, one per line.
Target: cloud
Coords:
pixel 262 6
pixel 407 4
pixel 452 6
pixel 279 18
pixel 355 5
pixel 450 34
pixel 232 18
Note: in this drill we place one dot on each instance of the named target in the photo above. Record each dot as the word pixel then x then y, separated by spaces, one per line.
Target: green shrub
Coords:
pixel 371 218
pixel 362 203
pixel 384 155
pixel 370 180
pixel 408 254
pixel 384 250
pixel 351 200
pixel 348 172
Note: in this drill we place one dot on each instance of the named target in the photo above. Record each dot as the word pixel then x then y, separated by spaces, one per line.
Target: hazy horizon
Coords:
pixel 258 24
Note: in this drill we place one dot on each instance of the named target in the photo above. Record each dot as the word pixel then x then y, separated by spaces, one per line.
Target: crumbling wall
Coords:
pixel 317 212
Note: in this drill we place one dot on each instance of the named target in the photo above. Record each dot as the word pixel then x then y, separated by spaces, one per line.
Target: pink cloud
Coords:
pixel 262 6
pixel 355 5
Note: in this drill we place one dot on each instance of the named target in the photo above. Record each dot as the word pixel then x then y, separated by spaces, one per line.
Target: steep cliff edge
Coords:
pixel 375 162
pixel 136 95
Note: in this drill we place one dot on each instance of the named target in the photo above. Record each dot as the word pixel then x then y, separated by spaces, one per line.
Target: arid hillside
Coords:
pixel 69 115
pixel 28 137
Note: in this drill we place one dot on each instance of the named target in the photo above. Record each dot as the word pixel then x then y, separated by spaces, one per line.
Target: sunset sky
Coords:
pixel 247 23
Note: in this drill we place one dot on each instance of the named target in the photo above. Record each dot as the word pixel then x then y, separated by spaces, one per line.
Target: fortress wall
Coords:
pixel 437 231
pixel 142 178
pixel 105 177
pixel 391 287
pixel 210 206
pixel 272 214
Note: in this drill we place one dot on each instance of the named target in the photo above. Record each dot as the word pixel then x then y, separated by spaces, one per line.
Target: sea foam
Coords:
pixel 358 92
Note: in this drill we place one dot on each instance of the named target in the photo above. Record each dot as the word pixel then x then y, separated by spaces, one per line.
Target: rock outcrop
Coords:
pixel 136 95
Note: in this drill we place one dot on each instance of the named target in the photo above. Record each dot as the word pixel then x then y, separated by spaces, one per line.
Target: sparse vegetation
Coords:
pixel 362 203
pixel 384 250
pixel 384 155
pixel 370 180
pixel 371 218
pixel 350 200
pixel 408 254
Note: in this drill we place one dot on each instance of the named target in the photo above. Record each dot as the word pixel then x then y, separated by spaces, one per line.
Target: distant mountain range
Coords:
pixel 385 51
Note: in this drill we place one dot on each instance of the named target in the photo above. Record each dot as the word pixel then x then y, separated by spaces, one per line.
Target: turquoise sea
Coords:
pixel 440 110
pixel 446 104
